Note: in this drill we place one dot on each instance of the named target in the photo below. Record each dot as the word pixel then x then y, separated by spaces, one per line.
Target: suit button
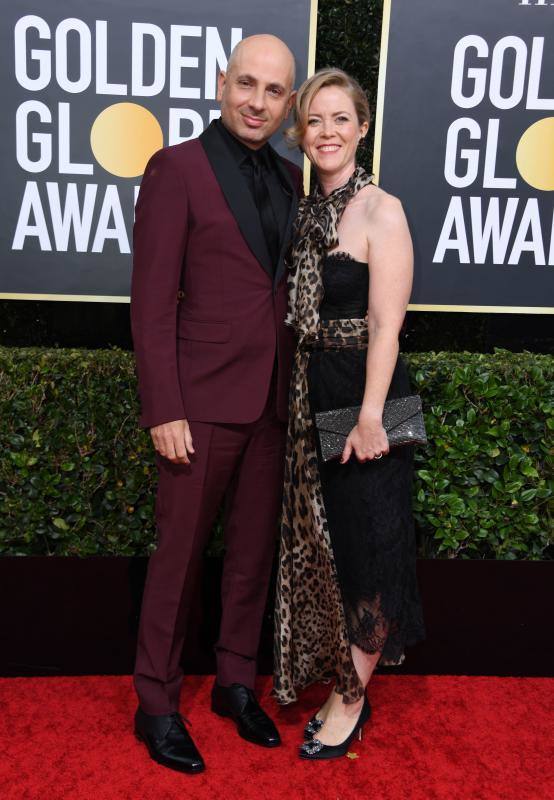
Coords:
pixel 180 294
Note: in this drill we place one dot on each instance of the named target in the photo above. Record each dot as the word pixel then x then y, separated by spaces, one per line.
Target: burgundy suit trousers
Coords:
pixel 242 463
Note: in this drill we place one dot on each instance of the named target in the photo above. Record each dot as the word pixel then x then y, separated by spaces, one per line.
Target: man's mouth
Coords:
pixel 253 122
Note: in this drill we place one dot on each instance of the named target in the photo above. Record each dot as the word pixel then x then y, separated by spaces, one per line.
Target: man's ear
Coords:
pixel 220 84
pixel 290 102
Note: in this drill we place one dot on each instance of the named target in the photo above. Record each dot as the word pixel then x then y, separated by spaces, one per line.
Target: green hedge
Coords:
pixel 77 475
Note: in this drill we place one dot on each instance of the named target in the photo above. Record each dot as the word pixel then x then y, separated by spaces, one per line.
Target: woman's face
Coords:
pixel 333 131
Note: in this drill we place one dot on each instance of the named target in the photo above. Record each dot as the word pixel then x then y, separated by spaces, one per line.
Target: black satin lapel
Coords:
pixel 287 178
pixel 236 193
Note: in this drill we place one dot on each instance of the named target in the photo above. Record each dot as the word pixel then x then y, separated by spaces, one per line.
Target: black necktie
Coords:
pixel 265 207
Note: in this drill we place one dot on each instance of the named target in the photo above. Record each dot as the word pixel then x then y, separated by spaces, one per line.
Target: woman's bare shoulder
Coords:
pixel 381 207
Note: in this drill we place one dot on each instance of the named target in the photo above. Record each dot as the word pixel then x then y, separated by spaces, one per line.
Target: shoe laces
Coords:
pixel 180 720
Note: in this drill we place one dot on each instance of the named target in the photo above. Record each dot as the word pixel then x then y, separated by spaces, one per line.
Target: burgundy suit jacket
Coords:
pixel 207 313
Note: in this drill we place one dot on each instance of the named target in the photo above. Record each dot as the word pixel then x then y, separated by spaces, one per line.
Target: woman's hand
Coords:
pixel 368 440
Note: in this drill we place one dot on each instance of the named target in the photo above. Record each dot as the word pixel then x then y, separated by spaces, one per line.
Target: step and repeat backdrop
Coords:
pixel 465 137
pixel 89 91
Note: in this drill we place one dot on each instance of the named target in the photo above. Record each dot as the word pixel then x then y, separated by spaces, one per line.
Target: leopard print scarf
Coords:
pixel 311 636
pixel 315 233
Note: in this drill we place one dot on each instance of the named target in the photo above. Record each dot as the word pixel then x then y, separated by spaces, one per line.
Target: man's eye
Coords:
pixel 275 92
pixel 244 83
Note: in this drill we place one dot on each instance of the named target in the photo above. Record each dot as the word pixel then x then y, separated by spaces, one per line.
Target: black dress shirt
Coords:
pixel 279 194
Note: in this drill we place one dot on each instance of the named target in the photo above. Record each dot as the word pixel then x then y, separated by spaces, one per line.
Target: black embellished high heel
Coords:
pixel 313 726
pixel 315 750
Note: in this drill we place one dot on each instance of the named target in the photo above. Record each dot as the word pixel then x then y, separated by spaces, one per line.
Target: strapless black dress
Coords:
pixel 368 505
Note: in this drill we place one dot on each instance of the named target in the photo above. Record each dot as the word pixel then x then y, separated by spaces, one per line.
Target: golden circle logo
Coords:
pixel 535 155
pixel 123 137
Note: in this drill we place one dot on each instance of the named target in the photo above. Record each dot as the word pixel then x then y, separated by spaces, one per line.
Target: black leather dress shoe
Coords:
pixel 168 741
pixel 239 703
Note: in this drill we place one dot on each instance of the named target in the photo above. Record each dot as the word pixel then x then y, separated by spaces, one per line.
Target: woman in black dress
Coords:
pixel 347 597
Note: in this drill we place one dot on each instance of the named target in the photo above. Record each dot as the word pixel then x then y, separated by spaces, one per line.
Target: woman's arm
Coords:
pixel 391 269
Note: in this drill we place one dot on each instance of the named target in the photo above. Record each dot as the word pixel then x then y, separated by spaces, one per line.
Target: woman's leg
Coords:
pixel 339 718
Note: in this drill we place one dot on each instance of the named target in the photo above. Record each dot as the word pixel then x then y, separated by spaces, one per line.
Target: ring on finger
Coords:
pixel 379 456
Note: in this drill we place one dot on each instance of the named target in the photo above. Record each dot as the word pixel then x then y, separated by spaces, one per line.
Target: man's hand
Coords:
pixel 173 440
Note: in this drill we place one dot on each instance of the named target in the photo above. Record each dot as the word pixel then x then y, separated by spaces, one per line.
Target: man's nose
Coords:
pixel 257 100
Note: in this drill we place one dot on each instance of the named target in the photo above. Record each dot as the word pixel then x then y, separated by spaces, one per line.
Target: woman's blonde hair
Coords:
pixel 322 78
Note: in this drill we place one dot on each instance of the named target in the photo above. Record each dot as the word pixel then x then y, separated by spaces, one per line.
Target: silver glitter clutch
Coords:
pixel 402 420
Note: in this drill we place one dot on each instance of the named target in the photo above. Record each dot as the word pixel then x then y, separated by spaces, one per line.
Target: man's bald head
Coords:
pixel 256 91
pixel 265 43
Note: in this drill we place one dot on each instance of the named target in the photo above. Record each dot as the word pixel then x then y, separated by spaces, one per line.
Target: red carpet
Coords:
pixel 430 737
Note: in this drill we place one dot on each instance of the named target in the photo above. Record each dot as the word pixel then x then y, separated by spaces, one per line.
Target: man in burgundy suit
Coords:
pixel 213 222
